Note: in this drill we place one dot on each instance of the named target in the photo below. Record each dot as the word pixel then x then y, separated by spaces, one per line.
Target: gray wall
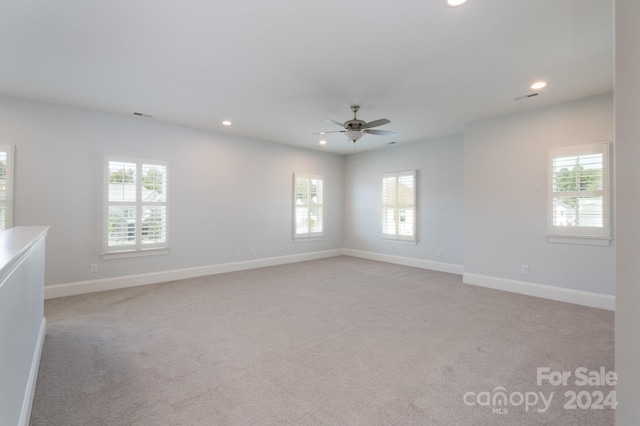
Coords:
pixel 481 195
pixel 505 193
pixel 439 163
pixel 627 210
pixel 227 193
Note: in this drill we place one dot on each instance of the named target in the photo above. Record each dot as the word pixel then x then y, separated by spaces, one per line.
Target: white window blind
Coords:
pixel 6 187
pixel 308 193
pixel 136 205
pixel 399 206
pixel 579 181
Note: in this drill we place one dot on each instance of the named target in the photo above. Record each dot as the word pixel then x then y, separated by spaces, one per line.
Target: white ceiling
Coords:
pixel 278 68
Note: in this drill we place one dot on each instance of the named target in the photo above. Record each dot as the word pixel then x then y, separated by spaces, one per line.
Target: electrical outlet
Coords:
pixel 524 269
pixel 253 250
pixel 93 268
pixel 439 252
pixel 238 252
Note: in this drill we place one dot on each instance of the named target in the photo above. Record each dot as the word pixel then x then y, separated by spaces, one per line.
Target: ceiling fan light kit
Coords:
pixel 354 129
pixel 354 135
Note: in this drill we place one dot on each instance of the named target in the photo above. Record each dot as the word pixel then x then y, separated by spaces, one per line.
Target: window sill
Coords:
pixel 134 253
pixel 396 241
pixel 587 241
pixel 308 239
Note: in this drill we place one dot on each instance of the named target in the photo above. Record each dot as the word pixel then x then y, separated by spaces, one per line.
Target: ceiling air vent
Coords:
pixel 142 114
pixel 531 95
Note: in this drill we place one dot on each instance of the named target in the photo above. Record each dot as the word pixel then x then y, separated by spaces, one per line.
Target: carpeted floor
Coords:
pixel 339 341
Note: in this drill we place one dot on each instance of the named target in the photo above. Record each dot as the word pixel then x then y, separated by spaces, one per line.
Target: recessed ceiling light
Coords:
pixel 226 123
pixel 323 142
pixel 454 3
pixel 538 85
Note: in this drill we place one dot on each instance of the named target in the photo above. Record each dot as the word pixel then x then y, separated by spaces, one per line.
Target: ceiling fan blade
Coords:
pixel 332 131
pixel 337 123
pixel 376 123
pixel 380 132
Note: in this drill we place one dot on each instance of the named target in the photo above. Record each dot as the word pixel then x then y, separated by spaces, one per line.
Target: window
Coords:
pixel 307 206
pixel 136 207
pixel 399 206
pixel 6 187
pixel 579 192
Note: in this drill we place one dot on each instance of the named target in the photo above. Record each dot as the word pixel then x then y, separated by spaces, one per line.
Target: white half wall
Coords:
pixel 505 196
pixel 627 104
pixel 439 165
pixel 226 193
pixel 22 322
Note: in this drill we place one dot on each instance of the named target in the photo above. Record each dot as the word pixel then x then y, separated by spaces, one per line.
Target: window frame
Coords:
pixel 7 202
pixel 138 248
pixel 398 208
pixel 307 236
pixel 589 235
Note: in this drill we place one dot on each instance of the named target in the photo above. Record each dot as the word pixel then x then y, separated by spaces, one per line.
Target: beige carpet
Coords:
pixel 340 341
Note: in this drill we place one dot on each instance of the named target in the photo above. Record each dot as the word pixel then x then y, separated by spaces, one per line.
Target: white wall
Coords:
pixel 226 192
pixel 627 103
pixel 505 193
pixel 439 163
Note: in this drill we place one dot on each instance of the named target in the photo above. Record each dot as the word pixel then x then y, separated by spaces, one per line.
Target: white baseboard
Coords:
pixel 578 297
pixel 83 287
pixel 27 402
pixel 451 268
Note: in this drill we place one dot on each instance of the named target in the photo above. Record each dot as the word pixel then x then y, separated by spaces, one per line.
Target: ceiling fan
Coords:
pixel 354 129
